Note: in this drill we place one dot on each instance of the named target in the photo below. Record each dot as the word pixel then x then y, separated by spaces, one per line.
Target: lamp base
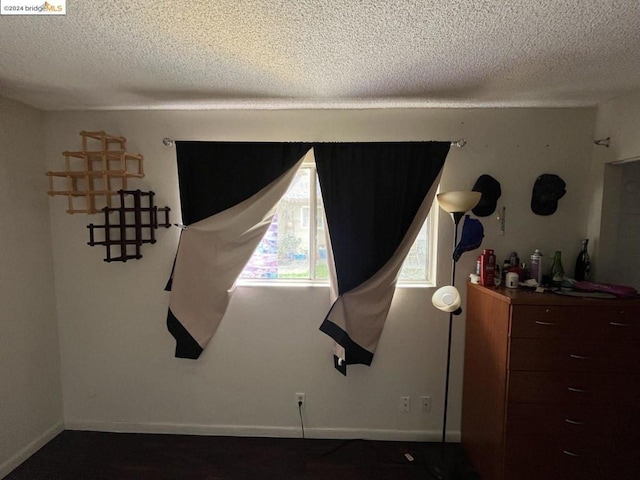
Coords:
pixel 440 468
pixel 437 473
pixel 448 462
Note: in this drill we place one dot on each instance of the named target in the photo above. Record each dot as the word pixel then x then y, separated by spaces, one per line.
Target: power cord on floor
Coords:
pixel 301 420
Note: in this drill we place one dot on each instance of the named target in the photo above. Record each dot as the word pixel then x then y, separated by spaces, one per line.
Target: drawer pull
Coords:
pixel 573 422
pixel 579 357
pixel 618 324
pixel 571 454
pixel 576 390
pixel 545 323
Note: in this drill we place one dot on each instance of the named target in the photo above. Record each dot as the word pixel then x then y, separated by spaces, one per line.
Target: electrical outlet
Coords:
pixel 405 404
pixel 300 398
pixel 425 404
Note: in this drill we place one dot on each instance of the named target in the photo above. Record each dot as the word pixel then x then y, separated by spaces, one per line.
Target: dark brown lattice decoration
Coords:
pixel 134 225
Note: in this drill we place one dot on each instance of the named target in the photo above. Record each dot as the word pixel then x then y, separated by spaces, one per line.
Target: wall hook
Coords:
pixel 501 219
pixel 604 142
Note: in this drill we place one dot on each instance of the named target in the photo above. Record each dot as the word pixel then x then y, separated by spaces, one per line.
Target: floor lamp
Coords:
pixel 447 298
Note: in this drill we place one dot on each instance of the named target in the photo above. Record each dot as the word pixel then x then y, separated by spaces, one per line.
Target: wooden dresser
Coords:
pixel 551 386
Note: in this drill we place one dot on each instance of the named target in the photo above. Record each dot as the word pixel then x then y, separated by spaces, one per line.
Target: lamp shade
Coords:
pixel 446 299
pixel 458 201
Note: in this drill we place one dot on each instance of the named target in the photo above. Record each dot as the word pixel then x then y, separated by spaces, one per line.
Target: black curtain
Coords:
pixel 376 196
pixel 215 176
pixel 371 194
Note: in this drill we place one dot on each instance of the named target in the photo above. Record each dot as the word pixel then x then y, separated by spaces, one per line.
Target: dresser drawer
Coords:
pixel 571 420
pixel 548 471
pixel 572 449
pixel 573 388
pixel 574 355
pixel 565 471
pixel 546 457
pixel 597 322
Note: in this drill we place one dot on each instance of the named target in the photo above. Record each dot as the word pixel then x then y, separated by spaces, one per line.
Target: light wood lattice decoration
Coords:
pixel 96 173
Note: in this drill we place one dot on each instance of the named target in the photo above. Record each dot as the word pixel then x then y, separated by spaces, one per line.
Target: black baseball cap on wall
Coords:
pixel 491 191
pixel 547 190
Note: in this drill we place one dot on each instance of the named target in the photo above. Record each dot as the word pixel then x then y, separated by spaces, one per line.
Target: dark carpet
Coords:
pixel 94 455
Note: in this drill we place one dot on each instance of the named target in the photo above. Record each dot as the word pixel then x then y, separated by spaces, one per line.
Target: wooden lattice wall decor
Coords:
pixel 96 173
pixel 134 225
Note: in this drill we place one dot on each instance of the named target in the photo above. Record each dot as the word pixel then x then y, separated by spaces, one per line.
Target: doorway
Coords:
pixel 620 226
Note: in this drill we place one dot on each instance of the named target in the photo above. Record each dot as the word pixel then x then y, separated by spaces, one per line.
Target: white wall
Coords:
pixel 117 358
pixel 30 393
pixel 611 223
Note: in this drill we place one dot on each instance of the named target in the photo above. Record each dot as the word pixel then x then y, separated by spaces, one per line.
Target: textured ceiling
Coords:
pixel 322 54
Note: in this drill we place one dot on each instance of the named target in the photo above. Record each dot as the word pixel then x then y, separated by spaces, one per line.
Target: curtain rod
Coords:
pixel 167 142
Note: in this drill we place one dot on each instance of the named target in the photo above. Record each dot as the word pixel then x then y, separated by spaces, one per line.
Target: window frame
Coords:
pixel 431 254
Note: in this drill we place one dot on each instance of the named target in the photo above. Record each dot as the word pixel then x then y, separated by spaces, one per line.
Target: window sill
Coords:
pixel 415 285
pixel 316 284
pixel 281 283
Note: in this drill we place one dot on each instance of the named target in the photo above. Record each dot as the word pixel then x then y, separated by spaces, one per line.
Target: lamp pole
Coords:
pixel 456 203
pixel 456 221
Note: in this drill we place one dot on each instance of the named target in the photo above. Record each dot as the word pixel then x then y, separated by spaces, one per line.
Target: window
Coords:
pixel 418 266
pixel 294 250
pixel 305 218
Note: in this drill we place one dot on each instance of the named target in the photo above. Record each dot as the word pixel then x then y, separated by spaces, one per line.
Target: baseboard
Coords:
pixel 261 431
pixel 11 464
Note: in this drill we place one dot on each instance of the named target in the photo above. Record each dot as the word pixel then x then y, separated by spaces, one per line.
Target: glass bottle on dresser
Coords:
pixel 583 263
pixel 557 271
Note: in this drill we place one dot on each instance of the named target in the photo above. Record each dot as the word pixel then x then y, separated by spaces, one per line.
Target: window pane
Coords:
pixel 284 250
pixel 264 261
pixel 293 228
pixel 415 265
pixel 322 267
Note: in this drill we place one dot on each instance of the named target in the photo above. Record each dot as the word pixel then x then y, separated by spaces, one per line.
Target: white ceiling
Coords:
pixel 322 54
